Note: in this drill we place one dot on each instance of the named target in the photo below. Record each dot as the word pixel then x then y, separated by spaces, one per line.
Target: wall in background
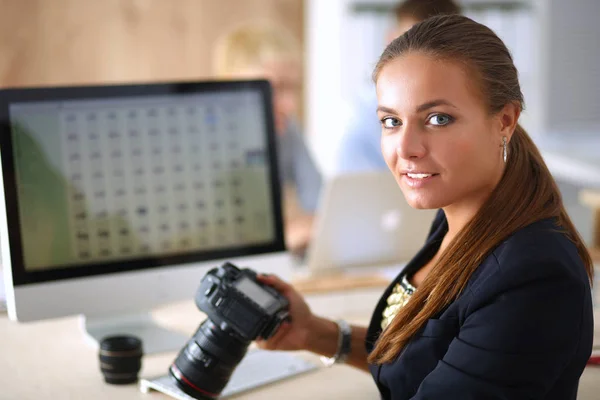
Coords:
pixel 89 41
pixel 571 67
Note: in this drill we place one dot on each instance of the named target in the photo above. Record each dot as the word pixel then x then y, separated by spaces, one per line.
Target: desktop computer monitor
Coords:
pixel 120 198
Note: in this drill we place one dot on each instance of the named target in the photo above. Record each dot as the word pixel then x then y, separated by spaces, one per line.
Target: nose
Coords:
pixel 411 143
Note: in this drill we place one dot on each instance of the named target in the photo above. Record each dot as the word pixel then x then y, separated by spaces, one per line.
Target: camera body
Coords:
pixel 235 301
pixel 239 310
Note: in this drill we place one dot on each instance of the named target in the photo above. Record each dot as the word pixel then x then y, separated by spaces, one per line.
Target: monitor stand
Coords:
pixel 155 338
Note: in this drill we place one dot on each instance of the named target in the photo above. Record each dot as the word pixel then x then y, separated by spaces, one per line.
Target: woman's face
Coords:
pixel 438 138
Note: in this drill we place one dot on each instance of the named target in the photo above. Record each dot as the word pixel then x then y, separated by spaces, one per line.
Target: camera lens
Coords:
pixel 120 359
pixel 204 366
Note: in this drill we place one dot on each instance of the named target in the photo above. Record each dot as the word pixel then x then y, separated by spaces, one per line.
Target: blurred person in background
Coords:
pixel 359 148
pixel 264 51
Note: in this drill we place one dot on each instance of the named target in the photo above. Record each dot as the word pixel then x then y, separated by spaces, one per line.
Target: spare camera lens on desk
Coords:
pixel 120 359
pixel 240 309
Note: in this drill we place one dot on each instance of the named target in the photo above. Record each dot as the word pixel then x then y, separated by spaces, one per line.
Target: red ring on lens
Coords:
pixel 179 375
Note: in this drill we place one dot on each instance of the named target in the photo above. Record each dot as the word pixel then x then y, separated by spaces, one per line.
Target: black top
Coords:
pixel 522 328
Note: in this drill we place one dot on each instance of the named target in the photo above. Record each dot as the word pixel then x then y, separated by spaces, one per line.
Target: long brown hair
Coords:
pixel 525 194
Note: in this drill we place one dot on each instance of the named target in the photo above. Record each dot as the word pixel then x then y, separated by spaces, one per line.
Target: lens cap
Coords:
pixel 120 359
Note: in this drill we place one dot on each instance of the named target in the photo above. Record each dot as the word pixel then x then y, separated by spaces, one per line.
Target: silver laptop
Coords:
pixel 364 220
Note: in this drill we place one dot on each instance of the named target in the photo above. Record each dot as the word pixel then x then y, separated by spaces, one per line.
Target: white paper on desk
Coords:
pixel 258 368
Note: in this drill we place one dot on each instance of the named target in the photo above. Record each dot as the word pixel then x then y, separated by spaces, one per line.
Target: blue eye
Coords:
pixel 440 119
pixel 390 123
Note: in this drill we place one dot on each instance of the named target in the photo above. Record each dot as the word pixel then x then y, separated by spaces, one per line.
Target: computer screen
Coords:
pixel 120 198
pixel 101 183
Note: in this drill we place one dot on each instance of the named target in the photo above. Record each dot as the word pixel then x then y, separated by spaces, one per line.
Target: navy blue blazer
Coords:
pixel 522 328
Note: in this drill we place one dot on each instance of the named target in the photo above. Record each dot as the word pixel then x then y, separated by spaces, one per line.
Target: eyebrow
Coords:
pixel 421 108
pixel 386 110
pixel 434 103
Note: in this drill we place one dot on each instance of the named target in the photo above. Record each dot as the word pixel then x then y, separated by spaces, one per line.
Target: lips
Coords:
pixel 419 175
pixel 418 179
pixel 416 174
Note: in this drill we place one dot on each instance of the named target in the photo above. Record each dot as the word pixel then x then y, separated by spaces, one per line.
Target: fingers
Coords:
pixel 261 344
pixel 273 342
pixel 283 330
pixel 275 282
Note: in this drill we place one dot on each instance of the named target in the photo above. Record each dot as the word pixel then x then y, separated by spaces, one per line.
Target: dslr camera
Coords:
pixel 239 309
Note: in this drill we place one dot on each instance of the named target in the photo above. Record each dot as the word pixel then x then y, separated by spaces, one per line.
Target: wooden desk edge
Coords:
pixel 339 282
pixel 342 281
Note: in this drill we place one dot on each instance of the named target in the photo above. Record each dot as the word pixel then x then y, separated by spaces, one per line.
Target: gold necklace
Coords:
pixel 400 295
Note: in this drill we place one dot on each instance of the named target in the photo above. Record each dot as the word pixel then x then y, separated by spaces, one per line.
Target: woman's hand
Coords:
pixel 298 233
pixel 306 331
pixel 292 335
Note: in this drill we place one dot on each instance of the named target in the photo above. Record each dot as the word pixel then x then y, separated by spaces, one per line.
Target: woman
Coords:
pixel 497 304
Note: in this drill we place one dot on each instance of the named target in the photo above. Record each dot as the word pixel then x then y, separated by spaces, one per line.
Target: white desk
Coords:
pixel 51 360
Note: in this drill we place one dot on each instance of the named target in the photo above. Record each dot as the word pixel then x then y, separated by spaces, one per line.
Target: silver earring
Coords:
pixel 504 148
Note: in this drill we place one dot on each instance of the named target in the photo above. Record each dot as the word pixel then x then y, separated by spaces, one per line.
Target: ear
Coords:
pixel 507 119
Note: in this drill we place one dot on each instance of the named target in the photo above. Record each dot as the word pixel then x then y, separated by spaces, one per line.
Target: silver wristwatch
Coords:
pixel 343 347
